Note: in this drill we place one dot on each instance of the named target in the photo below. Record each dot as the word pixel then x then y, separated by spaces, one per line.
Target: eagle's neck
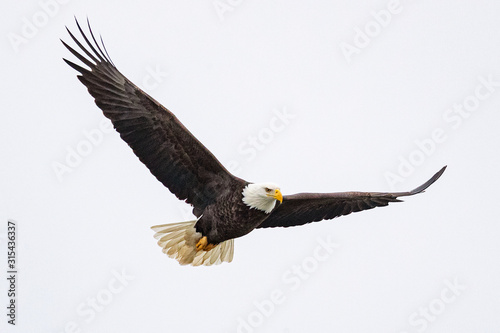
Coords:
pixel 254 198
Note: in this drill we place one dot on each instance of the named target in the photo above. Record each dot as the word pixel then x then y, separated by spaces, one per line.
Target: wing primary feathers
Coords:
pixel 76 67
pixel 104 47
pixel 90 55
pixel 88 42
pixel 428 183
pixel 78 55
pixel 99 54
pixel 104 58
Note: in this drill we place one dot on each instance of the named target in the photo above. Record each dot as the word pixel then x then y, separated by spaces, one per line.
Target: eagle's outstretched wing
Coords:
pixel 172 154
pixel 302 208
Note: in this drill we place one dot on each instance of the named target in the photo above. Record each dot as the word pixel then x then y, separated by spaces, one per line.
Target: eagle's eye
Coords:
pixel 268 190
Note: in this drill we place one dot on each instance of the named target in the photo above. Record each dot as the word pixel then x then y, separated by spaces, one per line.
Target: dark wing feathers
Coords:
pixel 302 208
pixel 172 154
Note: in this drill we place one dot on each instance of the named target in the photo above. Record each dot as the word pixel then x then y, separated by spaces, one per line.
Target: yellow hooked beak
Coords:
pixel 277 195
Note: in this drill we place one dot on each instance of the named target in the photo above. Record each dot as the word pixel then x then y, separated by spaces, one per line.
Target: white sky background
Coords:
pixel 353 124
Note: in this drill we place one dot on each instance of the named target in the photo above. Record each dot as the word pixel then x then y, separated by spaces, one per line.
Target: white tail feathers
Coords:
pixel 178 241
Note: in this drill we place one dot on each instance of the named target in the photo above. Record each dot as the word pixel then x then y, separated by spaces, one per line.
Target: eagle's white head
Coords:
pixel 262 196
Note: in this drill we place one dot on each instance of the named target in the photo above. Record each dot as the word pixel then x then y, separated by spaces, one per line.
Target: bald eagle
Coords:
pixel 226 207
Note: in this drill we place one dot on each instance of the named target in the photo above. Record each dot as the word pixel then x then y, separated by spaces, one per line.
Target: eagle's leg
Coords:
pixel 204 245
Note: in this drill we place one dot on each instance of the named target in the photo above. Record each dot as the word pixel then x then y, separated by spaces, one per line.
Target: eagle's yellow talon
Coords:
pixel 203 245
